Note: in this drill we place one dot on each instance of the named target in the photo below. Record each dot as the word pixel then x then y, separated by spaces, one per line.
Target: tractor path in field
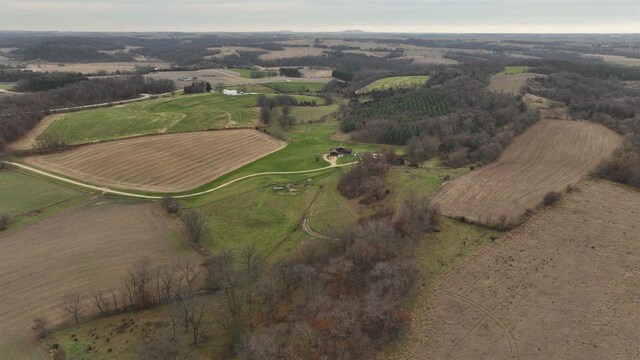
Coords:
pixel 107 190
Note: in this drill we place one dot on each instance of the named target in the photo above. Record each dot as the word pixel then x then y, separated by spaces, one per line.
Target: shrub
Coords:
pixel 170 204
pixel 50 140
pixel 551 198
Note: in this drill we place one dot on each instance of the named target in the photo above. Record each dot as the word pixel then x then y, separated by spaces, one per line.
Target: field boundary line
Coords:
pixel 107 190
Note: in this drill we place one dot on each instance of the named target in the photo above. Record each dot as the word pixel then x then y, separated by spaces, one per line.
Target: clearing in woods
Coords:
pixel 547 157
pixel 395 82
pixel 74 251
pixel 509 83
pixel 165 163
pixel 563 285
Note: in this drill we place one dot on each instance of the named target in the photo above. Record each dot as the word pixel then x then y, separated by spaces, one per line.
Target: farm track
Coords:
pixel 547 157
pixel 107 190
pixel 563 285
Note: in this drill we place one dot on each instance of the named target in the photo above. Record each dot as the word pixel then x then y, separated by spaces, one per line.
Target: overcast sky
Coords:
pixel 540 16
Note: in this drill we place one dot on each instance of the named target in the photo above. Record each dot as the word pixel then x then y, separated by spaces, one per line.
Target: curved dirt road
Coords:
pixel 156 197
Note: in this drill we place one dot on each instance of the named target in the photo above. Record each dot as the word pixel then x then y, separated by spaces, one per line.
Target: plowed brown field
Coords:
pixel 565 285
pixel 547 157
pixel 76 251
pixel 165 163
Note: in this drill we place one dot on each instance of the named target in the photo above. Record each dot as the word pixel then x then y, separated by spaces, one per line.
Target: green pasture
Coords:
pixel 395 82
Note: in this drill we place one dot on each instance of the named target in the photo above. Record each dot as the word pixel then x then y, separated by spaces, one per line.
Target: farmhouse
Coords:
pixel 230 92
pixel 339 151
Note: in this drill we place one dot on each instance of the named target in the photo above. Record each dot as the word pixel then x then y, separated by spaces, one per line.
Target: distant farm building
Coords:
pixel 339 151
pixel 230 92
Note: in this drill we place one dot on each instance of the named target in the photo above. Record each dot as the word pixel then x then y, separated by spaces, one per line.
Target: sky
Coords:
pixel 419 16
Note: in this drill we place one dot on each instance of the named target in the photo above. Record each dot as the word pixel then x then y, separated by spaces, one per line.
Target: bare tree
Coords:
pixel 195 225
pixel 72 305
pixel 166 278
pixel 137 285
pixel 101 302
pixel 189 271
pixel 196 319
pixel 252 263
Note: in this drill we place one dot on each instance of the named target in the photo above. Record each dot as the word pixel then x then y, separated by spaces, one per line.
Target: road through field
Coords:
pixel 107 190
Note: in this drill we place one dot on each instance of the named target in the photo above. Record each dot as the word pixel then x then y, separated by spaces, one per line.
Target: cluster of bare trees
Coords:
pixel 366 180
pixel 340 298
pixel 142 287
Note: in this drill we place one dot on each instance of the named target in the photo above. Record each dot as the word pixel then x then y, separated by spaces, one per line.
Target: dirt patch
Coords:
pixel 163 163
pixel 565 285
pixel 77 250
pixel 510 84
pixel 547 157
pixel 28 141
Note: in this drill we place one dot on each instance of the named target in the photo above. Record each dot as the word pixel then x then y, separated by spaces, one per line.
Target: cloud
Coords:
pixel 308 15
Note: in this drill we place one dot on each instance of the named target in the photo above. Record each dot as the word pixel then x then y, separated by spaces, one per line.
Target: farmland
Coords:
pixel 167 163
pixel 396 82
pixel 535 291
pixel 186 113
pixel 36 273
pixel 549 156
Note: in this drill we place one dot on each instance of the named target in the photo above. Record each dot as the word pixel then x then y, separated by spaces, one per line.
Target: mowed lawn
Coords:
pixel 395 82
pixel 22 193
pixel 183 113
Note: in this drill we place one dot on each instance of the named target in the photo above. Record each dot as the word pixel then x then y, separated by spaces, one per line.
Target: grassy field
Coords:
pixel 28 197
pixel 295 87
pixel 7 85
pixel 395 82
pixel 509 70
pixel 183 113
